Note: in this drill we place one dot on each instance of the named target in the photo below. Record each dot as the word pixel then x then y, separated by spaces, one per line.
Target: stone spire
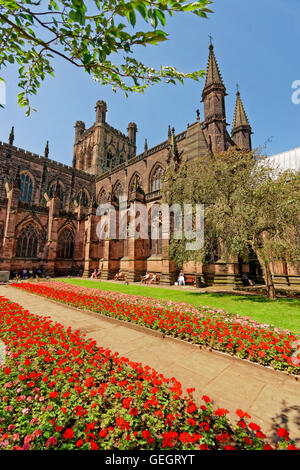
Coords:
pixel 241 130
pixel 146 146
pixel 46 151
pixel 213 75
pixel 11 136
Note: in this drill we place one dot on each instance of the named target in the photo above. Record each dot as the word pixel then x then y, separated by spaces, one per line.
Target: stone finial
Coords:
pixel 46 151
pixel 11 136
pixel 146 145
pixel 198 114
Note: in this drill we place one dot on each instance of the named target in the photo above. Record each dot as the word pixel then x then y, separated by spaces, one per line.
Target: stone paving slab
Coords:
pixel 271 398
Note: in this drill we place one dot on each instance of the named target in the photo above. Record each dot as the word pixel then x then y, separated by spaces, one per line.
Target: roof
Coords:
pixel 289 160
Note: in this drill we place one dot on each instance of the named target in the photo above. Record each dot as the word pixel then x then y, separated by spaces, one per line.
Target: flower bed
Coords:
pixel 210 328
pixel 60 391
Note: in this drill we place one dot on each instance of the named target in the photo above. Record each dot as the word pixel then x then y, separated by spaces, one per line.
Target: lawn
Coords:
pixel 283 313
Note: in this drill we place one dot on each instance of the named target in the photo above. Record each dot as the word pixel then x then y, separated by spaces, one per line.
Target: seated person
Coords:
pixel 98 275
pixel 39 272
pixel 153 278
pixel 94 274
pixel 119 276
pixel 30 272
pixel 145 278
pixel 17 276
pixel 181 279
pixel 24 274
pixel 246 281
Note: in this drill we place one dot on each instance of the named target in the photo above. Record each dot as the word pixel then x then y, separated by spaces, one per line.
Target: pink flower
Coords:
pixel 51 441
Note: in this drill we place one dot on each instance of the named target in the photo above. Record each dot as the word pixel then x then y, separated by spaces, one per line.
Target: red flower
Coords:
pixel 254 427
pixel 221 412
pixel 68 434
pixel 283 433
pixel 103 433
pixel 206 398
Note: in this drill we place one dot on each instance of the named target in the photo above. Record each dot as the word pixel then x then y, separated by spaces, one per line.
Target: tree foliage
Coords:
pixel 98 35
pixel 249 205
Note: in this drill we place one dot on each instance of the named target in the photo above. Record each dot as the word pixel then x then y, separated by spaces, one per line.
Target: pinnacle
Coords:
pixel 240 116
pixel 213 76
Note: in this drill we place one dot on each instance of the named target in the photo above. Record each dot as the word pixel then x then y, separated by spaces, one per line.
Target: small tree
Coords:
pixel 97 36
pixel 249 204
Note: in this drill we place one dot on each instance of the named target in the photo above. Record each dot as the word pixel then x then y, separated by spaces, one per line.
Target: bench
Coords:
pixel 190 279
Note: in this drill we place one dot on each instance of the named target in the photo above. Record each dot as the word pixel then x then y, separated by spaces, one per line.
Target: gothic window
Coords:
pixel 25 188
pixel 155 232
pixel 27 243
pixel 156 180
pixel 135 183
pixel 82 198
pixel 102 197
pixel 118 191
pixel 60 190
pixel 109 159
pixel 65 245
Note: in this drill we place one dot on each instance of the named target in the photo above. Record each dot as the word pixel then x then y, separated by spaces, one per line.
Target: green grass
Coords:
pixel 283 313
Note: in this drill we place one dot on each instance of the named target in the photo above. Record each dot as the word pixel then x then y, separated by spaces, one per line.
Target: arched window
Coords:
pixel 27 243
pixel 135 183
pixel 82 198
pixel 102 198
pixel 155 231
pixel 65 245
pixel 25 188
pixel 156 180
pixel 57 187
pixel 118 191
pixel 109 159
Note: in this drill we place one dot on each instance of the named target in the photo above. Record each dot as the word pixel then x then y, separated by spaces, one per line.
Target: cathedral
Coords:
pixel 48 210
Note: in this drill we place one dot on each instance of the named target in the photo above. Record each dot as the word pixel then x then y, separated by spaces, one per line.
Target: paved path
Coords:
pixel 271 398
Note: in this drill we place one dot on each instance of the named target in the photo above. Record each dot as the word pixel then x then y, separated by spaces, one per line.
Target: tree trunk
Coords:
pixel 267 274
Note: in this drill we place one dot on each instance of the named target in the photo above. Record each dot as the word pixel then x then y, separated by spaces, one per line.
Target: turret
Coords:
pixel 79 130
pixel 101 110
pixel 132 130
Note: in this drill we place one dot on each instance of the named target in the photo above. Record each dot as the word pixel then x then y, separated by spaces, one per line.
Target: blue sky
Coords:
pixel 256 45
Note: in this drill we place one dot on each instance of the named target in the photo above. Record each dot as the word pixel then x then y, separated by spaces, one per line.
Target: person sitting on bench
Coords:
pixel 153 278
pixel 145 278
pixel 94 274
pixel 181 279
pixel 119 276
